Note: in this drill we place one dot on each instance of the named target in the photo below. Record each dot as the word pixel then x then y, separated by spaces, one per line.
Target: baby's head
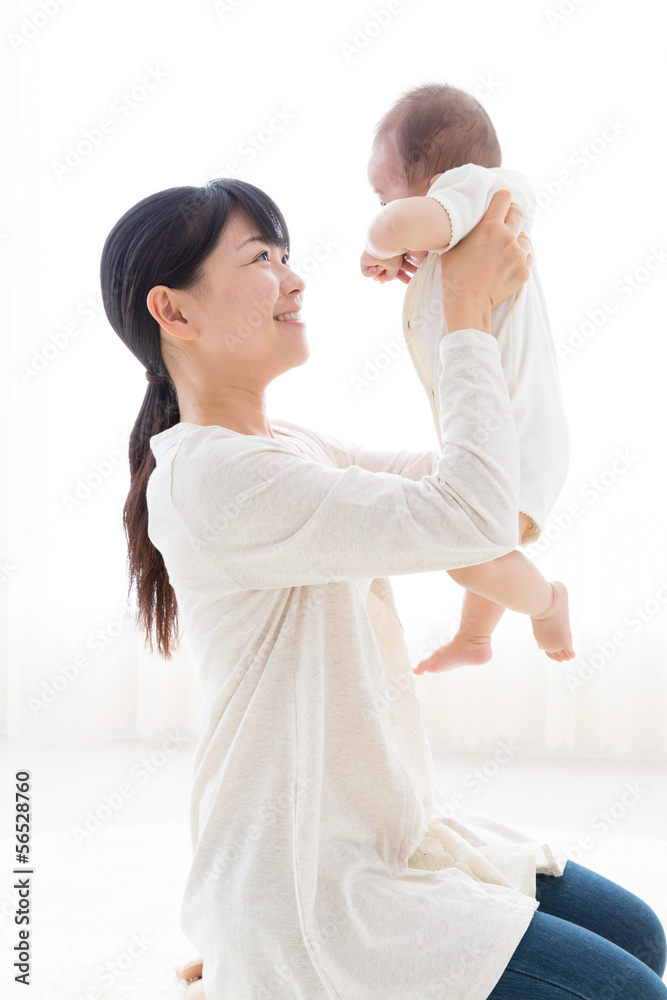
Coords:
pixel 428 130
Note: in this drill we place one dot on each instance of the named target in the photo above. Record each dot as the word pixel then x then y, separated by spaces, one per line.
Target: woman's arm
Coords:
pixel 268 518
pixel 411 464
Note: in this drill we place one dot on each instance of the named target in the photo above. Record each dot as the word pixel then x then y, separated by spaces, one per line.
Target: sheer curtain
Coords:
pixel 198 93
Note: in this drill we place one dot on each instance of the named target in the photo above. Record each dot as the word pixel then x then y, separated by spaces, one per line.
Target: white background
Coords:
pixel 551 82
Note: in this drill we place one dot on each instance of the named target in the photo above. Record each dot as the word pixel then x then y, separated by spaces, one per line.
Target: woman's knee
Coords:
pixel 651 947
pixel 590 900
pixel 560 960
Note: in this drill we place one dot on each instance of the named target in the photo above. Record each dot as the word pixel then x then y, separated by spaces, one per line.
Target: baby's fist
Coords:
pixel 381 269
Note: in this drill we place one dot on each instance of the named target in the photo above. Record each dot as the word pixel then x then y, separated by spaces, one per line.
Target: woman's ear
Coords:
pixel 165 306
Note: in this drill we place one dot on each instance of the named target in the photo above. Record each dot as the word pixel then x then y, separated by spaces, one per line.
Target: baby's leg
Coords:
pixel 472 642
pixel 511 581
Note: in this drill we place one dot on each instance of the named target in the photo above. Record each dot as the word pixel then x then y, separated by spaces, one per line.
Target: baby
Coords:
pixel 435 165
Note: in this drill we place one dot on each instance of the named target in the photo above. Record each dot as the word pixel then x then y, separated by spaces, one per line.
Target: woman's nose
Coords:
pixel 293 282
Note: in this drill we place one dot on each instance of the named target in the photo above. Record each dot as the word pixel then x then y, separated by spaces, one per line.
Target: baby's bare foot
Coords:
pixel 552 628
pixel 462 651
pixel 192 969
pixel 195 991
pixel 189 970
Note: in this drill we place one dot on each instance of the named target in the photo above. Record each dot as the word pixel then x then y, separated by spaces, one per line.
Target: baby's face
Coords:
pixel 384 174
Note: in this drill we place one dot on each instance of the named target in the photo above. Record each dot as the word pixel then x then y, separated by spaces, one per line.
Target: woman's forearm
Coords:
pixel 466 313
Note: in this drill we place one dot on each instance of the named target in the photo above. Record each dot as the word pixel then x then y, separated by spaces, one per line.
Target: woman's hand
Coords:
pixel 485 268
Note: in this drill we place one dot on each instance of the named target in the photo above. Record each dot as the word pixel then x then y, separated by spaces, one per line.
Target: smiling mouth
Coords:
pixel 288 317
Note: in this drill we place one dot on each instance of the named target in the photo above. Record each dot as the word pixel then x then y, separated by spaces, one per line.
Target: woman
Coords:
pixel 326 863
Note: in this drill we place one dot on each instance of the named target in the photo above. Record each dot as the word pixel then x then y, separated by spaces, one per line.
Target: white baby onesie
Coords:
pixel 521 326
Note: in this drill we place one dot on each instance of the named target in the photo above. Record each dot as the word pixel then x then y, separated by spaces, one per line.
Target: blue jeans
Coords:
pixel 589 939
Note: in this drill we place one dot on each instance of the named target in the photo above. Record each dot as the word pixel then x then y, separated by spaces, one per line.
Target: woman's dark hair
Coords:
pixel 165 239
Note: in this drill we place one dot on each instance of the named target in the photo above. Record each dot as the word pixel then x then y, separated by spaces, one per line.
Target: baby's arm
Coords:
pixel 409 225
pixel 419 223
pixel 439 220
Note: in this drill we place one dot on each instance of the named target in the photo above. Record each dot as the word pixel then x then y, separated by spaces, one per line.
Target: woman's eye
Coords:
pixel 265 253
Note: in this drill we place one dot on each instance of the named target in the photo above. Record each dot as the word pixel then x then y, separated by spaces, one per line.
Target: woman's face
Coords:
pixel 243 320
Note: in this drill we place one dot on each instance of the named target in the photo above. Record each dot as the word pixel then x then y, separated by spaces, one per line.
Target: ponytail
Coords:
pixel 165 239
pixel 146 567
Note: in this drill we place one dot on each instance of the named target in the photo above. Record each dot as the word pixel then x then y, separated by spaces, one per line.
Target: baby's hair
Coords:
pixel 436 127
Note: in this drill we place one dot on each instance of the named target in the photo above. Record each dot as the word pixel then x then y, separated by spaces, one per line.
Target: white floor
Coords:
pixel 142 782
pixel 111 849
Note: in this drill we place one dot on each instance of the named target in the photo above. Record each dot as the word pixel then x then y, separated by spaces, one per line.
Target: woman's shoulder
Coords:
pixel 324 446
pixel 198 441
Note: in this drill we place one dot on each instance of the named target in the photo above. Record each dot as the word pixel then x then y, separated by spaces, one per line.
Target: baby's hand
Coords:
pixel 381 269
pixel 416 256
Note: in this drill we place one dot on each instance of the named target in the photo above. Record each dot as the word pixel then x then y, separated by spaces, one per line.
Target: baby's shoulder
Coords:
pixel 470 180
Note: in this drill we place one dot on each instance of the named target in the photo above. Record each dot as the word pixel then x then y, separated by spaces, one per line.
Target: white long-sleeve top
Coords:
pixel 521 327
pixel 326 862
